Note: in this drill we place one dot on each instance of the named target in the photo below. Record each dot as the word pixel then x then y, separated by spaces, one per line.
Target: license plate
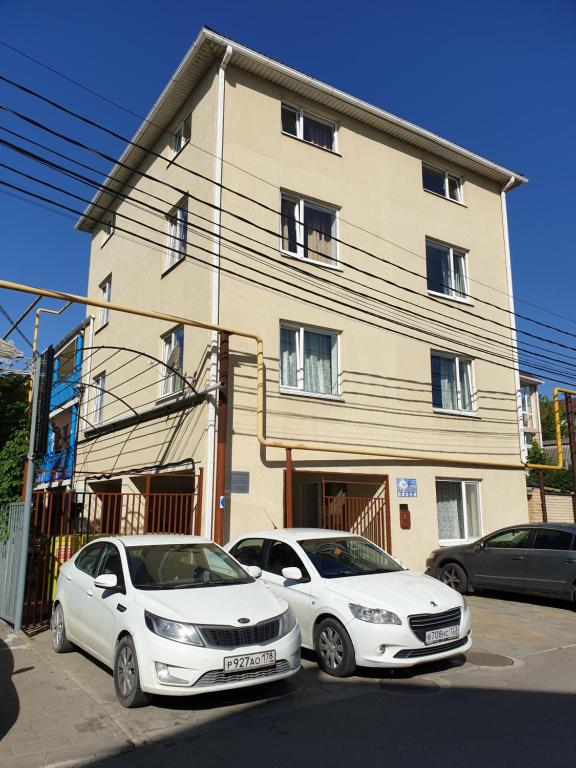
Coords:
pixel 249 661
pixel 439 635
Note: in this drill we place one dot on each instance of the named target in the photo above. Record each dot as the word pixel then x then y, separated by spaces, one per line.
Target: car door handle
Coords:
pixel 120 607
pixel 570 561
pixel 519 557
pixel 68 578
pixel 89 592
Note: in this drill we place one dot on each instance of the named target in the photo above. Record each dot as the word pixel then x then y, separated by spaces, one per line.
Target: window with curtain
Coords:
pixel 446 270
pixel 452 388
pixel 308 230
pixel 98 398
pixel 308 127
pixel 308 360
pixel 442 183
pixel 172 356
pixel 177 234
pixel 458 510
pixel 105 295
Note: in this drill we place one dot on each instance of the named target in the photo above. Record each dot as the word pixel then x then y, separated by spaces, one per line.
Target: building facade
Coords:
pixel 366 253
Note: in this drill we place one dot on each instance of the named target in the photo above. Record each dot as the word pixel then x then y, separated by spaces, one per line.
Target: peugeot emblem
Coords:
pixel 243 620
pixel 433 604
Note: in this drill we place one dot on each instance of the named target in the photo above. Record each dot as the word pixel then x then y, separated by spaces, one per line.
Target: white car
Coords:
pixel 354 603
pixel 172 615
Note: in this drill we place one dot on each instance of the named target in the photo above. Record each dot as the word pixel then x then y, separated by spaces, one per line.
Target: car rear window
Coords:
pixel 551 539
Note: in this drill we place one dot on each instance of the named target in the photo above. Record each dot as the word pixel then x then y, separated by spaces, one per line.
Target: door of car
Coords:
pixel 279 555
pixel 551 562
pixel 500 560
pixel 107 605
pixel 79 590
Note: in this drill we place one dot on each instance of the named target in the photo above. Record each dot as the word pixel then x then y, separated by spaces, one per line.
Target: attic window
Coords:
pixel 181 135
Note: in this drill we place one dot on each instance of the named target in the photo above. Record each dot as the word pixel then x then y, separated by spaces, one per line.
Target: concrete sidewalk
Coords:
pixel 511 702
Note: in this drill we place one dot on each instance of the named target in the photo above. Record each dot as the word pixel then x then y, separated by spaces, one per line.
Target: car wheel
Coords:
pixel 334 648
pixel 453 575
pixel 127 677
pixel 60 642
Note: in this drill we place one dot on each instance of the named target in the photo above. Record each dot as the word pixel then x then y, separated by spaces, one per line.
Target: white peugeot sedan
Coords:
pixel 354 603
pixel 172 615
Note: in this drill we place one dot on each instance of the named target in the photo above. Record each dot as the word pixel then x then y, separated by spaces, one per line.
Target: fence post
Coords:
pixel 21 581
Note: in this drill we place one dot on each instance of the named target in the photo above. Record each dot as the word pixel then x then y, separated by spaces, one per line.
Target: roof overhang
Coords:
pixel 529 378
pixel 210 46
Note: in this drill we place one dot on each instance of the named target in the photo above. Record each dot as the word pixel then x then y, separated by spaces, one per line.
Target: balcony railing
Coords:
pixel 55 466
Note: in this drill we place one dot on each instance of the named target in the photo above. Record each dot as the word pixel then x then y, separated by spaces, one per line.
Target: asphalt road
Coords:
pixel 509 703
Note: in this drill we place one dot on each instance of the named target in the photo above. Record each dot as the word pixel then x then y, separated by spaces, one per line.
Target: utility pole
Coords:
pixel 23 561
pixel 572 442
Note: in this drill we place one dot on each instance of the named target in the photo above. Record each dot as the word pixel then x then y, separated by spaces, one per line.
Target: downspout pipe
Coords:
pixel 215 297
pixel 509 184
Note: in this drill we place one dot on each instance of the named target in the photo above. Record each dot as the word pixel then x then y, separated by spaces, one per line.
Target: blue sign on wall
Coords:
pixel 406 486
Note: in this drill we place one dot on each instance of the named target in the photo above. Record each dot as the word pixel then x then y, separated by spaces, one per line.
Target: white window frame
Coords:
pixel 168 387
pixel 108 225
pixel 447 177
pixel 179 138
pixel 526 393
pixel 98 409
pixel 105 295
pixel 454 295
pixel 301 114
pixel 299 253
pixel 177 217
pixel 457 360
pixel 335 361
pixel 462 482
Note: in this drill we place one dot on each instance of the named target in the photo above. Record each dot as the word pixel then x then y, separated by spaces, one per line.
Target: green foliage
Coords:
pixel 12 456
pixel 547 418
pixel 13 404
pixel 562 480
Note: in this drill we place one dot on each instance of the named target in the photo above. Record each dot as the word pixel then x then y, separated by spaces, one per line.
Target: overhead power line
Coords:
pixel 241 195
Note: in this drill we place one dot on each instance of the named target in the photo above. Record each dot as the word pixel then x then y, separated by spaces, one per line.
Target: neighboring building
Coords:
pixel 55 468
pixel 531 425
pixel 327 170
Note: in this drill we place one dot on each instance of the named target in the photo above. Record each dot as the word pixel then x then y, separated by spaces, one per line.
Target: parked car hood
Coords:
pixel 212 605
pixel 402 592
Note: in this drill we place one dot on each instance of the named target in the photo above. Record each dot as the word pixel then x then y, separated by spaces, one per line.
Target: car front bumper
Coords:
pixel 200 669
pixel 394 646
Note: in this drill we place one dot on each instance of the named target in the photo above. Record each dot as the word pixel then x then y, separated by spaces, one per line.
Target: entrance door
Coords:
pixel 310 505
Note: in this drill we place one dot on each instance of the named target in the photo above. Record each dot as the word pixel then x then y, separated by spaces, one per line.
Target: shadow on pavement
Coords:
pixel 9 703
pixel 403 722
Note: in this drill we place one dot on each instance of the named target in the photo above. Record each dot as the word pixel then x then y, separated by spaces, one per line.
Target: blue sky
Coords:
pixel 496 77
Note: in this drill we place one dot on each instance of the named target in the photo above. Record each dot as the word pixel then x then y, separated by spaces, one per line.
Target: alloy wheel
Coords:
pixel 126 671
pixel 57 627
pixel 331 647
pixel 451 577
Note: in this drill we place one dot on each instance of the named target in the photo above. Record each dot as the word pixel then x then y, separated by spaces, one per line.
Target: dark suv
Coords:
pixel 537 559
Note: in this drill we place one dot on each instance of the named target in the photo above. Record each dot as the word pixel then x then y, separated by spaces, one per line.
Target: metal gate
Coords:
pixel 367 515
pixel 63 521
pixel 11 517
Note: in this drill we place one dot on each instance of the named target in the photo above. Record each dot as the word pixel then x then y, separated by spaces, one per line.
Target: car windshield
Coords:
pixel 183 566
pixel 347 556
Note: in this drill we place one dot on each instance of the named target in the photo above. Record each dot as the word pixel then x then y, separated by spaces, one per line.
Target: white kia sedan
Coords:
pixel 172 615
pixel 354 603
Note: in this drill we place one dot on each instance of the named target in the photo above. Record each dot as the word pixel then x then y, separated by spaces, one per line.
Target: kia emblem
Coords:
pixel 243 620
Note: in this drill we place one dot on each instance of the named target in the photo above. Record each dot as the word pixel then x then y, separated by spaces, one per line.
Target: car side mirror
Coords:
pixel 106 581
pixel 479 545
pixel 254 571
pixel 292 573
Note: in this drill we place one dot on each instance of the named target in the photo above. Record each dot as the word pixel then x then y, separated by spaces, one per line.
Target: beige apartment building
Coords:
pixel 371 258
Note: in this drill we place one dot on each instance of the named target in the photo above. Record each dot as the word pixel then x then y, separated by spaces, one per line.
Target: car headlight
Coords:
pixel 173 630
pixel 287 622
pixel 374 615
pixel 464 604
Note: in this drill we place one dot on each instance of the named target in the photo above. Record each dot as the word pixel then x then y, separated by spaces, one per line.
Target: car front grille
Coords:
pixel 218 677
pixel 414 653
pixel 236 637
pixel 424 622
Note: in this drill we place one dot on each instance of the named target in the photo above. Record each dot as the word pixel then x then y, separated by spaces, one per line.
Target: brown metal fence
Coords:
pixel 63 521
pixel 365 515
